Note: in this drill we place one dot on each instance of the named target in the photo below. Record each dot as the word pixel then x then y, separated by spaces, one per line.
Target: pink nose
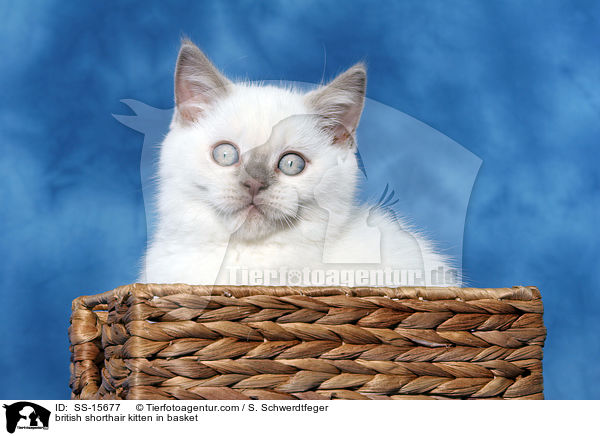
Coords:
pixel 254 186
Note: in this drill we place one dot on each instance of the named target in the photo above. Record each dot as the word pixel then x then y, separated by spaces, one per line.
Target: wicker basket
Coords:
pixel 223 342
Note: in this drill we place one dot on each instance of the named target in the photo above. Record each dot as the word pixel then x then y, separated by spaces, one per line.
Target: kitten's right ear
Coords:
pixel 197 82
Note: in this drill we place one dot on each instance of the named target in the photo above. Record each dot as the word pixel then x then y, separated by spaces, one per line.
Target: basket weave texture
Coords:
pixel 227 342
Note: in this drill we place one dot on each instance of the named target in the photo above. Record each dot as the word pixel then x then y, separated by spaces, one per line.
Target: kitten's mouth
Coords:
pixel 253 209
pixel 250 210
pixel 254 221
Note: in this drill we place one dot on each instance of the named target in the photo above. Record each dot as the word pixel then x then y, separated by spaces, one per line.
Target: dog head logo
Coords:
pixel 26 415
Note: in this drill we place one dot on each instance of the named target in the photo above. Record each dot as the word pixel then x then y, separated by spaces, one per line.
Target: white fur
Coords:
pixel 204 227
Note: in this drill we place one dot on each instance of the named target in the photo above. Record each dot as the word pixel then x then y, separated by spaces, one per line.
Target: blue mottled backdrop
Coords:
pixel 516 83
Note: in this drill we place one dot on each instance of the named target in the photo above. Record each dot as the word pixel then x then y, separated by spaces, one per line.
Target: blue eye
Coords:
pixel 225 154
pixel 291 164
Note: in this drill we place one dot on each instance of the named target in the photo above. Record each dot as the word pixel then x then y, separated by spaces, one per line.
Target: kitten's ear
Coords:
pixel 197 82
pixel 341 102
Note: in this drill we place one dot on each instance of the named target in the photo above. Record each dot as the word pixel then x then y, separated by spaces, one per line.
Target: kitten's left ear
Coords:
pixel 341 102
pixel 197 82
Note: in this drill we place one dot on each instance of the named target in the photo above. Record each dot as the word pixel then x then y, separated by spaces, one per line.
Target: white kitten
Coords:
pixel 257 186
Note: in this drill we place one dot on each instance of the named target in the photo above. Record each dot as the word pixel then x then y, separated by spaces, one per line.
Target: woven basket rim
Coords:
pixel 143 290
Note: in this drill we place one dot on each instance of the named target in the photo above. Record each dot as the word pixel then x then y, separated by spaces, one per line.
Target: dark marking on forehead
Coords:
pixel 256 163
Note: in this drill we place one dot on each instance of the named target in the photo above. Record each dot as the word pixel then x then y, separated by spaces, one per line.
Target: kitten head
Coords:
pixel 254 156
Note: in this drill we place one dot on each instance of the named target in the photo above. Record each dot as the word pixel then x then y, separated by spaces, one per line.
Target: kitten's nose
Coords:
pixel 253 185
